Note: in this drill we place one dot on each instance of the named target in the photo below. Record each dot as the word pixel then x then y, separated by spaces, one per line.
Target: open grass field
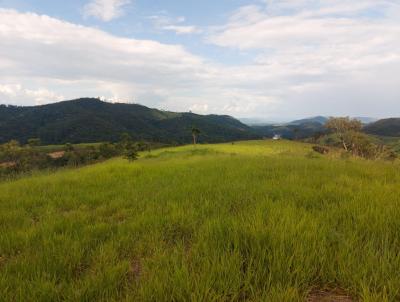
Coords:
pixel 250 221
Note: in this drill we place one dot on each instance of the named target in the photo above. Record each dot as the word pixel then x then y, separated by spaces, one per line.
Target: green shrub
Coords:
pixel 131 154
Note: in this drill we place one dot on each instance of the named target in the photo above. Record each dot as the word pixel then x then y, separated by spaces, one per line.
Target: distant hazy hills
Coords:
pixel 291 131
pixel 300 128
pixel 91 120
pixel 317 120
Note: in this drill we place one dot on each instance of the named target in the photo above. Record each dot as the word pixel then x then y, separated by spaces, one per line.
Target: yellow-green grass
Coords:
pixel 250 221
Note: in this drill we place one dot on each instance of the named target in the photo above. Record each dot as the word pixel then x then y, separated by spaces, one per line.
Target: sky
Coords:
pixel 269 59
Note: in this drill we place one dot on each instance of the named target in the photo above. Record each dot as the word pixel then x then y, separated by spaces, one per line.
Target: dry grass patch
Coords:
pixel 56 155
pixel 8 164
pixel 329 295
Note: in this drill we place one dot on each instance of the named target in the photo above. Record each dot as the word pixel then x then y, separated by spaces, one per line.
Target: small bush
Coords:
pixel 108 150
pixel 131 154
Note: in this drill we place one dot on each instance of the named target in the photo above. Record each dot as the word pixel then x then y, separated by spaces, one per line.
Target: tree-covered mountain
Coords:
pixel 92 120
pixel 384 127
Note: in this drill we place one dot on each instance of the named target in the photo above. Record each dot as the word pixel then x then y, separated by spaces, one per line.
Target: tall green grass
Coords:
pixel 254 221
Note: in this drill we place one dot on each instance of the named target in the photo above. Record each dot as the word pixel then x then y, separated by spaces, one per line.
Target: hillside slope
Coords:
pixel 384 127
pixel 250 221
pixel 91 120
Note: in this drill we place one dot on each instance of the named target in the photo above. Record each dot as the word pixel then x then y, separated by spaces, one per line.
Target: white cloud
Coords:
pixel 335 54
pixel 73 52
pixel 16 94
pixel 75 61
pixel 166 23
pixel 43 50
pixel 271 27
pixel 105 10
pixel 182 29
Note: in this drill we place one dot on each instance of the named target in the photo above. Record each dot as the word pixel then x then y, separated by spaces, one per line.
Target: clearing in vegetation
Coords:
pixel 249 221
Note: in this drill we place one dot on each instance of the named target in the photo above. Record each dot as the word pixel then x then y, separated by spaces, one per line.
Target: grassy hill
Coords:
pixel 91 120
pixel 256 221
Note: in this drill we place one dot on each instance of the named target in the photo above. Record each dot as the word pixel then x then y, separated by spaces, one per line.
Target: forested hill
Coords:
pixel 92 120
pixel 385 127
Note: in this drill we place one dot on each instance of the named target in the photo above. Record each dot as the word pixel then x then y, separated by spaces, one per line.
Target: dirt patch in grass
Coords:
pixel 80 269
pixel 135 270
pixel 56 155
pixel 8 164
pixel 329 295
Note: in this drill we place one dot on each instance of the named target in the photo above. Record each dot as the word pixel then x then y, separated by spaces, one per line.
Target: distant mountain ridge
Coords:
pixel 88 120
pixel 317 119
pixel 91 120
pixel 302 128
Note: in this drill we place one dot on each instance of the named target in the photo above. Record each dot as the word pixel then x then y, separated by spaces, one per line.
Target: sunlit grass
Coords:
pixel 257 221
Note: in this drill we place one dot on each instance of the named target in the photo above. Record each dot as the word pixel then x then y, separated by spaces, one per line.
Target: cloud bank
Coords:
pixel 337 56
pixel 304 57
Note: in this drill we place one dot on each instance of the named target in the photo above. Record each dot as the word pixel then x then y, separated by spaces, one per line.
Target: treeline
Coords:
pixel 16 158
pixel 91 121
pixel 346 133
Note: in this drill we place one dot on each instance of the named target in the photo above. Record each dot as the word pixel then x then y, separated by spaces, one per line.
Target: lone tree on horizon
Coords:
pixel 195 134
pixel 346 129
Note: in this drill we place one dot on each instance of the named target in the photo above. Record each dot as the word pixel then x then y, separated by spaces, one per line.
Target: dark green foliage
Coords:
pixel 91 120
pixel 108 150
pixel 131 154
pixel 68 147
pixel 34 142
pixel 126 142
pixel 143 146
pixel 195 133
